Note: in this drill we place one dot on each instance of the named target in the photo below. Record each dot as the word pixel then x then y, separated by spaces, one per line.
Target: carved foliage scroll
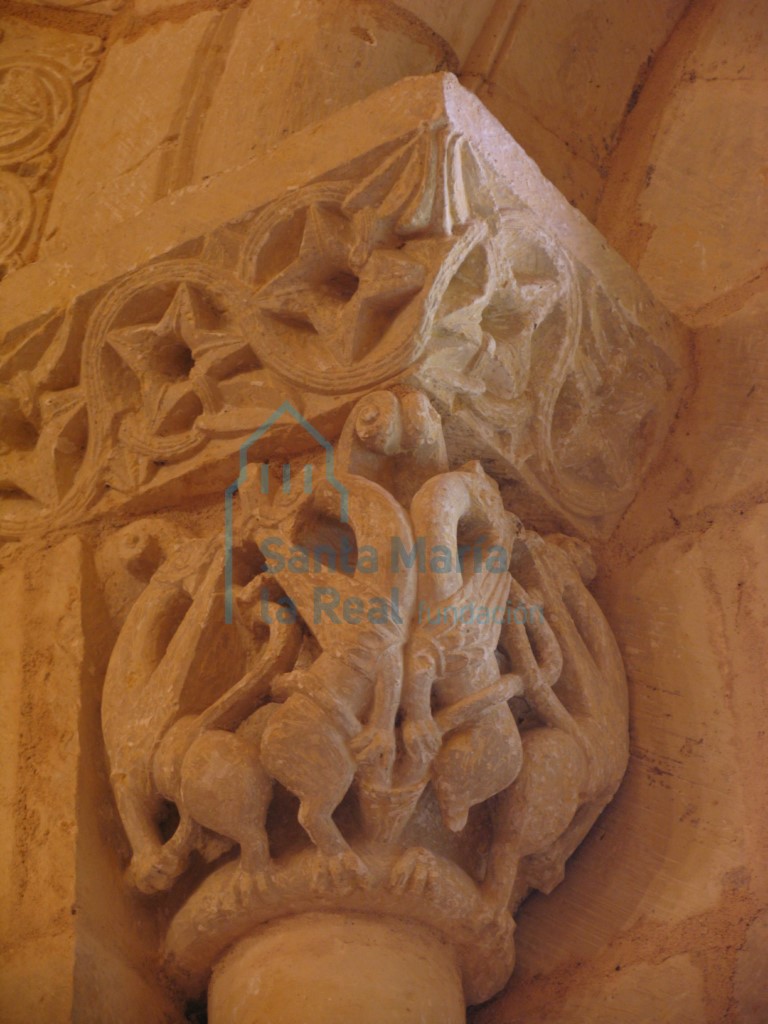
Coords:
pixel 407 270
pixel 562 383
pixel 44 423
pixel 317 298
pixel 39 79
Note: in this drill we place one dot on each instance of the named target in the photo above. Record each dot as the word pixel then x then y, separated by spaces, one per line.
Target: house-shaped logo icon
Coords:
pixel 265 471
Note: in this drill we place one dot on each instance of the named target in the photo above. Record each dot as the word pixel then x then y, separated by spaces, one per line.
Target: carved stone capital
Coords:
pixel 385 697
pixel 365 678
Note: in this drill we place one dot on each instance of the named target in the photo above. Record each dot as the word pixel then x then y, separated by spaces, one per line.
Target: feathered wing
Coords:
pixel 175 655
pixel 151 662
pixel 275 656
pixel 465 627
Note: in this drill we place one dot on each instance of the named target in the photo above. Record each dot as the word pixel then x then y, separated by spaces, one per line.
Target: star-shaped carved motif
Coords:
pixel 340 291
pixel 178 361
pixel 43 434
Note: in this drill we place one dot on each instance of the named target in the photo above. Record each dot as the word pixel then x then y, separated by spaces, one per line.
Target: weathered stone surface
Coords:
pixel 672 991
pixel 718 446
pixel 685 199
pixel 36 980
pixel 74 943
pixel 113 164
pixel 752 964
pixel 696 233
pixel 41 691
pixel 293 82
pixel 458 25
pixel 563 78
